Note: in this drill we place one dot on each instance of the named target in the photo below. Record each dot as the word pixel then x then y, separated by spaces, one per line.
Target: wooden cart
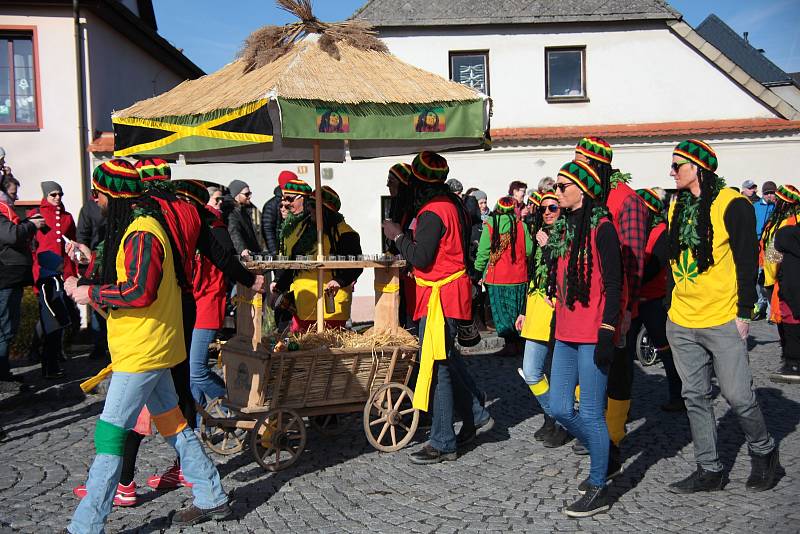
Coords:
pixel 270 393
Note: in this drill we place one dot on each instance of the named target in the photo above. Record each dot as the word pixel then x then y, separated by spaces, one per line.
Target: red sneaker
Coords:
pixel 171 479
pixel 125 495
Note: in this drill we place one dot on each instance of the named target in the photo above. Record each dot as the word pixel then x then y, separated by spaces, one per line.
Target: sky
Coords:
pixel 211 36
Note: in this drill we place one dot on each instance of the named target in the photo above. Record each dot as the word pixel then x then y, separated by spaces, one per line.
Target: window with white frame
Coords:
pixel 471 68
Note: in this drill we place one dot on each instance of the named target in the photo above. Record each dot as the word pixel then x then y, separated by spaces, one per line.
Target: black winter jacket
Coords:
pixel 91 225
pixel 16 259
pixel 242 230
pixel 271 223
pixel 787 242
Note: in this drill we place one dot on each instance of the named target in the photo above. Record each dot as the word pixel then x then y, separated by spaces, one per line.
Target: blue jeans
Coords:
pixel 10 301
pixel 204 382
pixel 573 364
pixel 449 392
pixel 533 363
pixel 127 394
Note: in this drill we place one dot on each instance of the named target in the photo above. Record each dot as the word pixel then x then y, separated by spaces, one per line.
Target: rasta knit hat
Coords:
pixel 595 148
pixel 535 199
pixel 789 194
pixel 193 189
pixel 402 172
pixel 697 152
pixel 153 169
pixel 549 196
pixel 651 200
pixel 430 167
pixel 117 178
pixel 296 187
pixel 330 199
pixel 505 205
pixel 584 176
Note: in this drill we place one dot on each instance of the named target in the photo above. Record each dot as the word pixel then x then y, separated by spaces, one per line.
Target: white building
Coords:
pixel 73 64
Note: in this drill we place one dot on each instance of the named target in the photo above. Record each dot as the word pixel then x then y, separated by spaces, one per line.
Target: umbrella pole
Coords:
pixel 318 215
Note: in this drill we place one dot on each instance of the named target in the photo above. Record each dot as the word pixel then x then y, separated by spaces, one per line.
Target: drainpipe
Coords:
pixel 80 78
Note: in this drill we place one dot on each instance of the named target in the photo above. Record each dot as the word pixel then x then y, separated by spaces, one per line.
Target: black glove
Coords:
pixel 604 350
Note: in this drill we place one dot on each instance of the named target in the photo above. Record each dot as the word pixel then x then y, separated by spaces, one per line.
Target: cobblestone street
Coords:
pixel 505 482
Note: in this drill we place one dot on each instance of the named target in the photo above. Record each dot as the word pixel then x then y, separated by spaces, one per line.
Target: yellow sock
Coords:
pixel 541 387
pixel 616 416
pixel 578 393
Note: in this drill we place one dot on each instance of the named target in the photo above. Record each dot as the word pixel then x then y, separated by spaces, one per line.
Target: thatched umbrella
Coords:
pixel 332 86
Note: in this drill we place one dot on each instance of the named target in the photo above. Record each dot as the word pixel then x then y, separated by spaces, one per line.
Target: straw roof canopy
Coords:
pixel 306 72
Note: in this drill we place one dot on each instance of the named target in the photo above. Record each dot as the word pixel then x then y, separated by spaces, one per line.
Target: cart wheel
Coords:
pixel 224 439
pixel 390 419
pixel 331 425
pixel 278 439
pixel 646 353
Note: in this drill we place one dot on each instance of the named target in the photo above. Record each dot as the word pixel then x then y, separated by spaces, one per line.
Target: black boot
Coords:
pixel 594 501
pixel 762 470
pixel 557 437
pixel 546 428
pixel 613 471
pixel 700 480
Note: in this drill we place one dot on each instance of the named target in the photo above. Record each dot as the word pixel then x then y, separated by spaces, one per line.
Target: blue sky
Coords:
pixel 210 36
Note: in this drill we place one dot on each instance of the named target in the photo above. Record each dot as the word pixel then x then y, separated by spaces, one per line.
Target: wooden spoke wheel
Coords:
pixel 390 419
pixel 278 439
pixel 220 438
pixel 331 425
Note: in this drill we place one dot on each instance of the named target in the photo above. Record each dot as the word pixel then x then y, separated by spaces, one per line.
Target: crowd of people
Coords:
pixel 569 272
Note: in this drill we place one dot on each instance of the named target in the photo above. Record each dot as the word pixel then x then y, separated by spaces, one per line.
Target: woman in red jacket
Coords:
pixel 51 265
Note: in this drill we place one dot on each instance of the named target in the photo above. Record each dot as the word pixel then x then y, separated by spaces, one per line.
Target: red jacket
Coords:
pixel 49 256
pixel 209 286
pixel 184 227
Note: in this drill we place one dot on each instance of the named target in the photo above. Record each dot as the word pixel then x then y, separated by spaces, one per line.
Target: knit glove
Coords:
pixel 604 350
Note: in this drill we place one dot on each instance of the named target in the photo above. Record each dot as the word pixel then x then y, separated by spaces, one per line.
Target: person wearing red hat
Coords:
pixel 271 220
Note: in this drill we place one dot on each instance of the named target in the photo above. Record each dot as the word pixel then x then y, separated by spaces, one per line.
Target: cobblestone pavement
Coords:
pixel 506 482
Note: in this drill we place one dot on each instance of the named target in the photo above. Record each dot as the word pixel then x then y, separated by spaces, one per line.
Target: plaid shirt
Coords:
pixel 632 223
pixel 144 258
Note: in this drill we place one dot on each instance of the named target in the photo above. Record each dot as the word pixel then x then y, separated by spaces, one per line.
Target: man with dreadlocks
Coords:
pixel 585 280
pixel 137 282
pixel 503 258
pixel 713 253
pixel 630 218
pixel 787 208
pixel 401 212
pixel 650 311
pixel 300 239
pixel 438 253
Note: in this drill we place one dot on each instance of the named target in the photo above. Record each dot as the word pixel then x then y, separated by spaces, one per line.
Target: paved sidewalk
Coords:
pixel 506 482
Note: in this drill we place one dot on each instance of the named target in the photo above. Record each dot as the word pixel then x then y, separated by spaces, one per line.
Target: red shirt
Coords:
pixel 631 220
pixel 655 288
pixel 209 286
pixel 184 227
pixel 50 255
pixel 456 296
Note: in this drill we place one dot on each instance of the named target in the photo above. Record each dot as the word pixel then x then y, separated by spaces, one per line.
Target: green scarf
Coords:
pixel 563 233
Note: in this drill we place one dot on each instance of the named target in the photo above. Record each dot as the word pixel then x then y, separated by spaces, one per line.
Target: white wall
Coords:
pixel 51 153
pixel 790 93
pixel 635 74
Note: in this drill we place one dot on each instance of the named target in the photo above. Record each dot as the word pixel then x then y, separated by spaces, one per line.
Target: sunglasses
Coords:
pixel 247 194
pixel 552 208
pixel 218 200
pixel 55 194
pixel 290 199
pixel 563 186
pixel 675 165
pixel 95 193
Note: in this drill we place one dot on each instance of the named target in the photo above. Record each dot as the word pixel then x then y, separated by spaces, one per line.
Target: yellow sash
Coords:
pixel 433 346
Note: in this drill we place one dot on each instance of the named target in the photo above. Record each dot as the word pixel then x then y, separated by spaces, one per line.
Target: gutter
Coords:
pixel 80 78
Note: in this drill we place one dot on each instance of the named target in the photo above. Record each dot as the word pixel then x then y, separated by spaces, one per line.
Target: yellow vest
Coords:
pixel 711 298
pixel 770 267
pixel 304 285
pixel 149 338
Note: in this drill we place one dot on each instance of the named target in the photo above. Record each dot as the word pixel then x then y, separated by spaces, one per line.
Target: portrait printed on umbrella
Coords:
pixel 430 120
pixel 332 121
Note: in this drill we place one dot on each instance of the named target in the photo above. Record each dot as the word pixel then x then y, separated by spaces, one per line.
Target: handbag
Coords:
pixel 538 317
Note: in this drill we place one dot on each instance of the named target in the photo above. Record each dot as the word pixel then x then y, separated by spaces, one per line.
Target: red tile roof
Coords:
pixel 656 129
pixel 102 143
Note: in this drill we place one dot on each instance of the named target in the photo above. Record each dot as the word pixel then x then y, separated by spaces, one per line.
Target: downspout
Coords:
pixel 80 78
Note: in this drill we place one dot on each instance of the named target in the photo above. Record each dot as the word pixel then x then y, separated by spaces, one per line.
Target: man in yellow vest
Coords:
pixel 135 279
pixel 712 292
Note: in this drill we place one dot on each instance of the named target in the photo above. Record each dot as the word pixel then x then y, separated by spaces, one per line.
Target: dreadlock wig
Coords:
pixel 787 204
pixel 537 262
pixel 691 227
pixel 571 235
pixel 402 204
pixel 500 242
pixel 655 206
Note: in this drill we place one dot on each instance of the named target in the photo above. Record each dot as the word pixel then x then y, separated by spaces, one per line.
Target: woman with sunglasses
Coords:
pixel 585 278
pixel 536 324
pixel 502 258
pixel 51 266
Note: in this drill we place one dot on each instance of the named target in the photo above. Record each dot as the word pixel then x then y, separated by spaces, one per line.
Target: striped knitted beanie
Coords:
pixel 505 205
pixel 430 167
pixel 698 153
pixel 402 172
pixel 193 189
pixel 595 148
pixel 535 199
pixel 153 169
pixel 651 200
pixel 330 199
pixel 789 194
pixel 549 195
pixel 296 187
pixel 584 176
pixel 117 178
